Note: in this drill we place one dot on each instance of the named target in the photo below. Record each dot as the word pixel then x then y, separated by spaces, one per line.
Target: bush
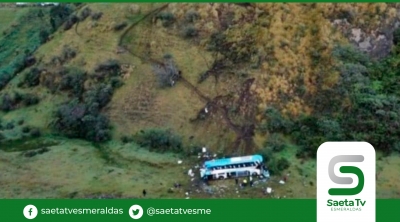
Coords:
pixel 59 14
pixel 107 69
pixel 167 18
pixel 26 129
pixel 192 16
pixel 96 16
pixel 120 26
pixel 275 122
pixel 116 82
pixel 35 132
pixel 30 99
pixel 72 20
pixel 76 120
pixel 168 74
pixel 126 139
pixel 67 53
pixel 396 36
pixel 32 78
pixel 43 36
pixel 86 12
pixel 5 78
pixel 10 126
pixel 7 103
pixel 100 95
pixel 190 31
pixel 275 165
pixel 159 140
pixel 73 79
pixel 282 164
pixel 275 142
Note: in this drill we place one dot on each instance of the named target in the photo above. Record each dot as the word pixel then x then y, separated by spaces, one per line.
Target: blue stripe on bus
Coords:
pixel 226 161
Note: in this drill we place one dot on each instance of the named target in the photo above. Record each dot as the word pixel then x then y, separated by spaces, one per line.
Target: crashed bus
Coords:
pixel 234 167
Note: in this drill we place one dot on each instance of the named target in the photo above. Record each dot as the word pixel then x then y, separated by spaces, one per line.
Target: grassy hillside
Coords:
pixel 104 99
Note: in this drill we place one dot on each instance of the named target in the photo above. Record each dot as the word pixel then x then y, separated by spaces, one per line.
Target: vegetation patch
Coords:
pixel 159 140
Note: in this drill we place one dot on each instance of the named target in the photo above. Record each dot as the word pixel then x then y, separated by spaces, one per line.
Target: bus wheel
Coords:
pixel 221 177
pixel 255 174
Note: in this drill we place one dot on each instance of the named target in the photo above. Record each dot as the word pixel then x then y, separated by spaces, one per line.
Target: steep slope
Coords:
pixel 100 68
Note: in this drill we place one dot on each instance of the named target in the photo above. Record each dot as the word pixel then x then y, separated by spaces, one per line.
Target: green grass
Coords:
pixel 8 16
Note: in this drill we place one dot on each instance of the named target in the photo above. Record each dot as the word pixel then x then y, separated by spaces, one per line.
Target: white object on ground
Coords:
pixel 269 189
pixel 282 182
pixel 179 161
pixel 204 149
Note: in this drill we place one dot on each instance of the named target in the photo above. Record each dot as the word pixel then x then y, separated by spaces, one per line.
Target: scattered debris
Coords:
pixel 190 173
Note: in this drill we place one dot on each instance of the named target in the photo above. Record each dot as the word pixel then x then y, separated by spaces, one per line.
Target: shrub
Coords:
pixel 76 121
pixel 67 53
pixel 7 103
pixel 127 139
pixel 190 31
pixel 30 99
pixel 10 126
pixel 43 36
pixel 159 140
pixel 100 94
pixel 35 132
pixel 274 164
pixel 120 26
pixel 32 78
pixel 167 18
pixel 86 12
pixel 192 16
pixel 72 20
pixel 168 74
pixel 107 69
pixel 116 82
pixel 26 129
pixel 396 36
pixel 73 79
pixel 275 122
pixel 5 77
pixel 282 164
pixel 275 142
pixel 96 16
pixel 59 14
